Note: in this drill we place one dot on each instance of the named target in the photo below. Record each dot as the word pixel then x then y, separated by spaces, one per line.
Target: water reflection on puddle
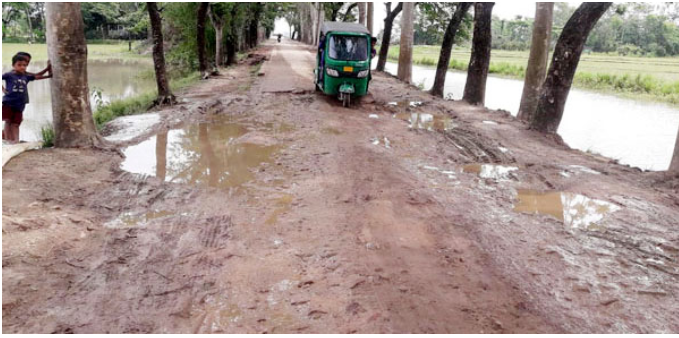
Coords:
pixel 202 154
pixel 405 104
pixel 496 172
pixel 574 210
pixel 427 121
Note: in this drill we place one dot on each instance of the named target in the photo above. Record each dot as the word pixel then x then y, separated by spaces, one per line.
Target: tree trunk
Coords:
pixel 30 24
pixel 314 22
pixel 202 54
pixel 447 48
pixel 557 85
pixel 219 32
pixel 164 93
pixel 161 155
pixel 67 51
pixel 674 165
pixel 319 25
pixel 361 13
pixel 370 13
pixel 537 61
pixel 386 35
pixel 477 72
pixel 405 58
pixel 218 24
pixel 308 25
pixel 232 39
pixel 230 51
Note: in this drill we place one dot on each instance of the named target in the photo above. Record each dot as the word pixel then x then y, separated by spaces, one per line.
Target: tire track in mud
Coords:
pixel 474 149
pixel 417 270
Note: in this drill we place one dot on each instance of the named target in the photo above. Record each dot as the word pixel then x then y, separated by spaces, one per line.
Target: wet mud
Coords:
pixel 248 210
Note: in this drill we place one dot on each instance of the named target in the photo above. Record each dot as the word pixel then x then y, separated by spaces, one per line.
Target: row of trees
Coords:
pixel 549 91
pixel 629 29
pixel 102 20
pixel 232 27
pixel 545 91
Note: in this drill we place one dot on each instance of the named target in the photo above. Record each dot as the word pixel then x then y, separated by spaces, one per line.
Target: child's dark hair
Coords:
pixel 25 54
pixel 16 58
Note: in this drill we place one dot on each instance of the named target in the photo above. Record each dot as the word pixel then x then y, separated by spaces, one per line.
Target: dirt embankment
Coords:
pixel 326 219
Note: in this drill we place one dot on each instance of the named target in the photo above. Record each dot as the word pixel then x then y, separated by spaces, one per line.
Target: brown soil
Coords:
pixel 337 234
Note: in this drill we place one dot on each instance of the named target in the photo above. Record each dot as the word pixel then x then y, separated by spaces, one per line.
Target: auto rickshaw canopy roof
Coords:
pixel 347 27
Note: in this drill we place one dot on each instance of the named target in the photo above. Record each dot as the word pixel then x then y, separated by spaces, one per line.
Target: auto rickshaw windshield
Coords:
pixel 348 48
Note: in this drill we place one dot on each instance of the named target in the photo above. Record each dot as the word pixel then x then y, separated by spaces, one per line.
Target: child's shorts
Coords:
pixel 12 115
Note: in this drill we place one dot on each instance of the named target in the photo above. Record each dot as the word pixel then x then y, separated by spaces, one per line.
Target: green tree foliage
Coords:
pixel 15 21
pixel 240 19
pixel 512 34
pixel 431 22
pixel 636 25
pixel 628 29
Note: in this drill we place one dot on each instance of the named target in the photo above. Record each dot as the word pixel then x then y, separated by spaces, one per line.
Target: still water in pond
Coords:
pixel 114 79
pixel 638 133
pixel 204 154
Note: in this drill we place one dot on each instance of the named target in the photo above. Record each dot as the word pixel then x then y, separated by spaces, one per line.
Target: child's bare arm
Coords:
pixel 47 69
pixel 42 77
pixel 42 72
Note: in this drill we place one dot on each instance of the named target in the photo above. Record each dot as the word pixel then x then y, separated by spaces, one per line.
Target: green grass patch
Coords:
pixel 138 104
pixel 38 52
pixel 47 135
pixel 655 79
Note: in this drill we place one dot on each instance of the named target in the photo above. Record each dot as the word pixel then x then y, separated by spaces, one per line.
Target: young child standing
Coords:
pixel 16 95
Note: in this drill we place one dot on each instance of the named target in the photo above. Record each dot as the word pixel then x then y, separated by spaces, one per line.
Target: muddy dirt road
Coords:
pixel 258 205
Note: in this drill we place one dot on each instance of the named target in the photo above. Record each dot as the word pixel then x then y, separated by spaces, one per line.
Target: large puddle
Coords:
pixel 108 80
pixel 574 210
pixel 204 154
pixel 638 133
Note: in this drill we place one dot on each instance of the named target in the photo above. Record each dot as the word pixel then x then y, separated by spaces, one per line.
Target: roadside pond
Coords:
pixel 639 133
pixel 108 80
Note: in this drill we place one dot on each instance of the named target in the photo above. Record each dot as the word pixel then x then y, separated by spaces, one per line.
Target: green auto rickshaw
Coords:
pixel 343 60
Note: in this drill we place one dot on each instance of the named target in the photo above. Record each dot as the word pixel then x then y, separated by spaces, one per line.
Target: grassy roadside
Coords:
pixel 139 104
pixel 38 52
pixel 129 106
pixel 655 79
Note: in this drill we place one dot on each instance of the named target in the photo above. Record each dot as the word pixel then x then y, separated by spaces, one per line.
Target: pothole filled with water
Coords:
pixel 496 172
pixel 405 104
pixel 204 154
pixel 574 210
pixel 427 121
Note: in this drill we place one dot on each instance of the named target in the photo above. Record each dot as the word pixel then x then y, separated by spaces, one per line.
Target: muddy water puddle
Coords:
pixel 490 171
pixel 405 104
pixel 427 121
pixel 574 210
pixel 203 154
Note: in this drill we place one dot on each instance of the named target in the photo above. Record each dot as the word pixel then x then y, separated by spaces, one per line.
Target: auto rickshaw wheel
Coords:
pixel 346 100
